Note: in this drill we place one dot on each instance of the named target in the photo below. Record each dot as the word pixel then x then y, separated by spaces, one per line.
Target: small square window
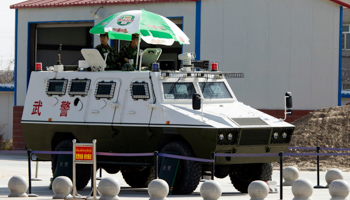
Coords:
pixel 56 87
pixel 105 90
pixel 79 87
pixel 139 91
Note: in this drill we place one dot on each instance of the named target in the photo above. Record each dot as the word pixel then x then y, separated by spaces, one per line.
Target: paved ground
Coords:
pixel 16 164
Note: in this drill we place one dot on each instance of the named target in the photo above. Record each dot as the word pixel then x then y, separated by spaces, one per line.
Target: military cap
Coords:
pixel 104 34
pixel 135 36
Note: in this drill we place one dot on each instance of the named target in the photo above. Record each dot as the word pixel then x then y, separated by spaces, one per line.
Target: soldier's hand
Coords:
pixel 126 60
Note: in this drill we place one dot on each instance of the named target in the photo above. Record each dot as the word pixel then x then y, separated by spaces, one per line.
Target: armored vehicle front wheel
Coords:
pixel 61 165
pixel 138 177
pixel 189 172
pixel 242 175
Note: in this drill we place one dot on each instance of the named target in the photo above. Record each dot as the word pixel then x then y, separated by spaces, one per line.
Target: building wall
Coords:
pixel 7 101
pixel 280 45
pixel 345 101
pixel 187 10
pixel 346 53
pixel 346 16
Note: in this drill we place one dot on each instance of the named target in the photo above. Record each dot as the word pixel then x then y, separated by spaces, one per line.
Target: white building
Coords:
pixel 280 45
pixel 6 110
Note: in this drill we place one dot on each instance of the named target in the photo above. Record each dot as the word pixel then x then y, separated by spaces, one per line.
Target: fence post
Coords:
pixel 29 171
pixel 318 169
pixel 281 175
pixel 212 155
pixel 156 164
pixel 36 171
pixel 318 166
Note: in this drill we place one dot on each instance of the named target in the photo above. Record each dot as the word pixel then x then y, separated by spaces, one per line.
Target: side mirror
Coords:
pixel 288 105
pixel 196 101
pixel 289 101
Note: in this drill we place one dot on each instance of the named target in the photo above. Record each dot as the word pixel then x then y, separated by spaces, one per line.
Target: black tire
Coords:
pixel 111 170
pixel 244 174
pixel 138 177
pixel 189 172
pixel 83 172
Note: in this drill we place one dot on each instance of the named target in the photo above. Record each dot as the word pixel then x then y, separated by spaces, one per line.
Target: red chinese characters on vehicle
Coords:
pixel 65 106
pixel 36 107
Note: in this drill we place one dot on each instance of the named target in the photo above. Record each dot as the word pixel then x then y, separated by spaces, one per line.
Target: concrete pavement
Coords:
pixel 16 164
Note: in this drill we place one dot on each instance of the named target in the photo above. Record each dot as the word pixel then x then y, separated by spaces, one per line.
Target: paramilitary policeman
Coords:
pixel 128 53
pixel 112 54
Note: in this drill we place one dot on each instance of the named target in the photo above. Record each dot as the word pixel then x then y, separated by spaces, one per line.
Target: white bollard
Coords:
pixel 302 189
pixel 18 186
pixel 210 190
pixel 62 186
pixel 109 189
pixel 290 174
pixel 339 190
pixel 158 189
pixel 333 174
pixel 258 190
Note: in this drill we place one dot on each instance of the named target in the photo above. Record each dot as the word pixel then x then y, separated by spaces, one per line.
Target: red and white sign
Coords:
pixel 83 153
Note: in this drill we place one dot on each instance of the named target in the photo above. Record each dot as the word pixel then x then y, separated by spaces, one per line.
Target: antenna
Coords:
pixel 59 55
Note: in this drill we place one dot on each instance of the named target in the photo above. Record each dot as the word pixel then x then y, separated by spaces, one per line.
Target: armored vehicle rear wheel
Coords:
pixel 83 172
pixel 242 175
pixel 138 177
pixel 189 172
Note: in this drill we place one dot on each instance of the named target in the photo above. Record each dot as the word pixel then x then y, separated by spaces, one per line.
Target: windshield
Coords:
pixel 216 90
pixel 178 90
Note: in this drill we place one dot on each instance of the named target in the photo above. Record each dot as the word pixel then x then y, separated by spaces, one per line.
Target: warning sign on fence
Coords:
pixel 83 153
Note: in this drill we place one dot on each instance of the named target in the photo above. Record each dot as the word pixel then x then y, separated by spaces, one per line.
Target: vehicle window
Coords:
pixel 216 90
pixel 140 91
pixel 56 87
pixel 178 90
pixel 79 87
pixel 105 90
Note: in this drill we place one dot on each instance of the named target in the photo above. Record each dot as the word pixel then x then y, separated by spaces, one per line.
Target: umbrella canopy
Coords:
pixel 153 28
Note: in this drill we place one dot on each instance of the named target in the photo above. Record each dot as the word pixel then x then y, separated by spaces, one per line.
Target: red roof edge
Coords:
pixel 28 4
pixel 341 3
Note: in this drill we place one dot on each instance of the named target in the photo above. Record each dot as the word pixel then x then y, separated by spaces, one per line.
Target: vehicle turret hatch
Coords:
pixel 79 87
pixel 139 90
pixel 178 90
pixel 56 87
pixel 105 90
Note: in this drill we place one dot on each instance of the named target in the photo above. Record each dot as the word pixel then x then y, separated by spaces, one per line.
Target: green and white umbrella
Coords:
pixel 153 28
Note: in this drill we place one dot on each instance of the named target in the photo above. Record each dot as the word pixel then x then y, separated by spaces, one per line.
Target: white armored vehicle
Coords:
pixel 189 113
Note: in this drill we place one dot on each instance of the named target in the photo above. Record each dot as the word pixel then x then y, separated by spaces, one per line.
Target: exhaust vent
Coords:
pixel 249 121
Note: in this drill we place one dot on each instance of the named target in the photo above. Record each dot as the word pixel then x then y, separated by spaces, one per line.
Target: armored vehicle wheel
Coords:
pixel 242 175
pixel 189 172
pixel 138 177
pixel 83 171
pixel 111 170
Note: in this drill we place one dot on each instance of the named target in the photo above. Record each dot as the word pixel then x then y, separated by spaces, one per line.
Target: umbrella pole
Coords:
pixel 138 53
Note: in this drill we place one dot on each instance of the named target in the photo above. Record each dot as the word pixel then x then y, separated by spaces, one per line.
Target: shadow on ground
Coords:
pixel 44 191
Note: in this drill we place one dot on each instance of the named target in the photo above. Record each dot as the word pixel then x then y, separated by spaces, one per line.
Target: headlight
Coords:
pixel 284 135
pixel 221 136
pixel 229 136
pixel 275 135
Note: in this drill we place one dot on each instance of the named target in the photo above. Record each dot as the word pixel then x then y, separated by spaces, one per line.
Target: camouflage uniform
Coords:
pixel 111 57
pixel 127 51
